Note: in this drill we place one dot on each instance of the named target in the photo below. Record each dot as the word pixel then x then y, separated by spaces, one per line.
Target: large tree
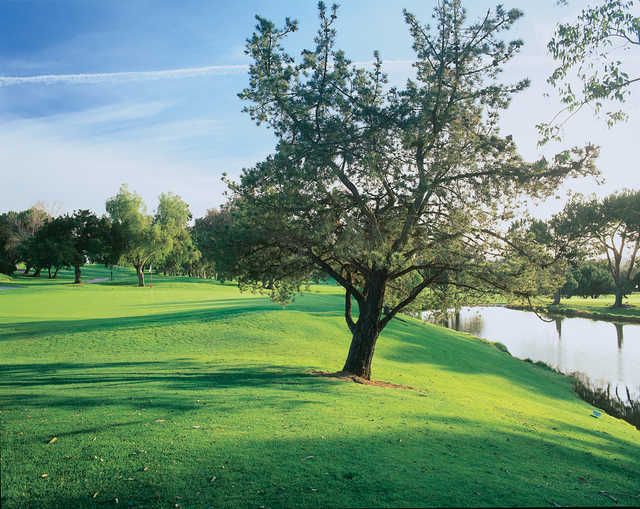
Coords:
pixel 612 228
pixel 593 50
pixel 388 191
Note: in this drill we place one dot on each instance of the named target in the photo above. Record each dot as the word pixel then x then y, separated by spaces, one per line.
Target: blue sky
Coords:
pixel 95 93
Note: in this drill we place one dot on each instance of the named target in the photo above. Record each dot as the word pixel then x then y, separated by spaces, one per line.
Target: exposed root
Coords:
pixel 341 375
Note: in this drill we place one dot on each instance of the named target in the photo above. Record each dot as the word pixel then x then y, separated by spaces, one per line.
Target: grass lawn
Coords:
pixel 192 394
pixel 602 305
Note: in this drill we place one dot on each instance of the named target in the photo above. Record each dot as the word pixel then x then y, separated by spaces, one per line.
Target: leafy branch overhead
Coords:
pixel 597 51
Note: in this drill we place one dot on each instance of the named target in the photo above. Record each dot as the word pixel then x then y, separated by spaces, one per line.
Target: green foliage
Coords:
pixel 388 191
pixel 17 228
pixel 211 236
pixel 144 238
pixel 593 279
pixel 590 50
pixel 611 227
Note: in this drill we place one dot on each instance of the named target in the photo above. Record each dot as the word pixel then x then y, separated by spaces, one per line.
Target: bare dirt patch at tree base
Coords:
pixel 341 375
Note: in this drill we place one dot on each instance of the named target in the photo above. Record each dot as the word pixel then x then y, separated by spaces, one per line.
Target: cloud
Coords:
pixel 79 159
pixel 187 72
pixel 123 77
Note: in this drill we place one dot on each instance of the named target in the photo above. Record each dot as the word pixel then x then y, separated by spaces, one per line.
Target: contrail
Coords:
pixel 120 77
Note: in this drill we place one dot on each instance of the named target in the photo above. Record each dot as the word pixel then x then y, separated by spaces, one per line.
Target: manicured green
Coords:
pixel 600 308
pixel 191 393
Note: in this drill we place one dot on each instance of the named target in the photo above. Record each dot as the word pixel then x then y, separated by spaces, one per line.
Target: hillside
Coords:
pixel 191 394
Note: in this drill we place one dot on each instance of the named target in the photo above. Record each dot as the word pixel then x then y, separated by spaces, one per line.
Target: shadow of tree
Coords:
pixel 428 465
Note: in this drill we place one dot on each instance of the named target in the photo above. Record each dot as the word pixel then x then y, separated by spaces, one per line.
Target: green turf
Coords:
pixel 193 394
pixel 602 305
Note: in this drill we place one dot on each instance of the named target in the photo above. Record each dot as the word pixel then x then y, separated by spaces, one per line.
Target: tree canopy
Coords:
pixel 611 226
pixel 142 237
pixel 388 191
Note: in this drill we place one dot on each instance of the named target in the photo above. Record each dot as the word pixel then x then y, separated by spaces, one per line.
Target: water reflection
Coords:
pixel 607 353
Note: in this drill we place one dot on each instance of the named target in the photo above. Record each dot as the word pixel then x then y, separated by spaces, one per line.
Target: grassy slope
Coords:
pixel 121 375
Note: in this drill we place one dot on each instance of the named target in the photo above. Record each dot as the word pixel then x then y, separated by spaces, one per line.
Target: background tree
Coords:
pixel 562 241
pixel 173 216
pixel 612 228
pixel 387 191
pixel 140 236
pixel 590 49
pixel 592 279
pixel 50 247
pixel 210 234
pixel 88 235
pixel 15 229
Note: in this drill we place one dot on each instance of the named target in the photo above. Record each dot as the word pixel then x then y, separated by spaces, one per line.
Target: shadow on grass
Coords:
pixel 59 383
pixel 18 330
pixel 430 465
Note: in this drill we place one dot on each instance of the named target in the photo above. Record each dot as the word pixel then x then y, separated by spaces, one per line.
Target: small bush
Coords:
pixel 501 347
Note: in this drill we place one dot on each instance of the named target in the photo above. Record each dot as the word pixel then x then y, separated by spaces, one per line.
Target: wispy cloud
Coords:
pixel 187 72
pixel 120 77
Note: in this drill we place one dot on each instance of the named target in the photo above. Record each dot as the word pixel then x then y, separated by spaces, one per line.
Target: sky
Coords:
pixel 95 93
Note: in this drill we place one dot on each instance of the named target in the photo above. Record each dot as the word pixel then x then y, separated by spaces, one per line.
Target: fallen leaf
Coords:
pixel 130 479
pixel 52 440
pixel 213 478
pixel 307 458
pixel 95 494
pixel 160 420
pixel 609 496
pixel 44 475
pixel 195 427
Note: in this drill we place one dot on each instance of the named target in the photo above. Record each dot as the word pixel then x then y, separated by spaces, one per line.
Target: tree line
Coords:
pixel 126 234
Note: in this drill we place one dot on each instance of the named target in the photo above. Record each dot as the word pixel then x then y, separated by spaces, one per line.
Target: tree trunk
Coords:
pixel 367 329
pixel 140 274
pixel 37 272
pixel 76 271
pixel 55 274
pixel 556 297
pixel 27 269
pixel 618 302
pixel 49 269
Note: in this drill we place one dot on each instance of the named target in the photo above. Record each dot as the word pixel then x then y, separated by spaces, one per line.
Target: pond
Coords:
pixel 606 352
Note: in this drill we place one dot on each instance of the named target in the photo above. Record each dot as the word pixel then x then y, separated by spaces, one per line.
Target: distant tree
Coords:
pixel 50 247
pixel 15 229
pixel 173 216
pixel 211 234
pixel 88 235
pixel 142 238
pixel 612 228
pixel 593 279
pixel 590 49
pixel 562 241
pixel 387 191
